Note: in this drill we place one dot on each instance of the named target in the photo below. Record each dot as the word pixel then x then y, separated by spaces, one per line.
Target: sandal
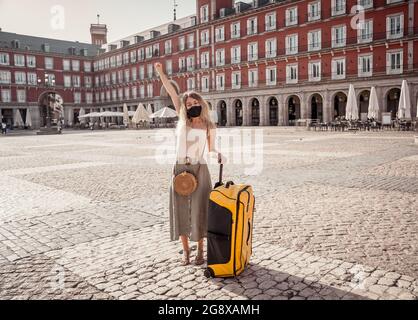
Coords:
pixel 199 258
pixel 186 258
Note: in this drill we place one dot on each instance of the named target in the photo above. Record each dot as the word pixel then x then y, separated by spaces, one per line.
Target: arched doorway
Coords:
pixel 255 112
pixel 392 105
pixel 222 114
pixel 364 104
pixel 273 112
pixel 51 109
pixel 316 108
pixel 340 103
pixel 238 113
pixel 293 105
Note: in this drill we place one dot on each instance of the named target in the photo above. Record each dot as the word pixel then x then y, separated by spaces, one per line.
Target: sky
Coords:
pixel 70 19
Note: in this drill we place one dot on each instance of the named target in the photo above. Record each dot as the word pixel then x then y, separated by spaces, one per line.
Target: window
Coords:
pixel 67 81
pixel 204 60
pixel 236 54
pixel 150 71
pixel 314 40
pixel 77 97
pixel 205 84
pixel 50 79
pixel 365 65
pixel 252 26
pixel 120 93
pixel 142 92
pixel 150 90
pixel 120 76
pixel 314 71
pixel 32 79
pixel 148 52
pixel 87 66
pixel 190 41
pixel 20 77
pixel 168 47
pixel 220 82
pixel 49 63
pixel 394 26
pixel 31 61
pixel 271 74
pixel 21 96
pixel 292 44
pixel 141 54
pixel 365 32
pixel 394 62
pixel 141 73
pixel 314 11
pixel 220 34
pixel 338 7
pixel 190 84
pixel 253 78
pixel 253 51
pixel 89 98
pixel 182 44
pixel 134 92
pixel 366 4
pixel 76 81
pixel 235 30
pixel 108 95
pixel 19 60
pixel 204 14
pixel 271 21
pixel 190 63
pixel 4 59
pixel 127 75
pixel 291 16
pixel 393 1
pixel 271 48
pixel 133 56
pixel 204 37
pixel 339 36
pixel 292 74
pixel 119 60
pixel 114 78
pixel 76 65
pixel 338 69
pixel 127 93
pixel 5 77
pixel 5 95
pixel 220 57
pixel 169 67
pixel 134 74
pixel 66 64
pixel 236 80
pixel 126 58
pixel 182 64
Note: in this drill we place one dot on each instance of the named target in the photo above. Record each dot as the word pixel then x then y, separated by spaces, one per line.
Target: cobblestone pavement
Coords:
pixel 85 216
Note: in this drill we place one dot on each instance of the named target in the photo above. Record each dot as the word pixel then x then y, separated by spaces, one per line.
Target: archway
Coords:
pixel 51 109
pixel 340 103
pixel 255 112
pixel 222 113
pixel 293 106
pixel 238 113
pixel 317 108
pixel 364 104
pixel 392 105
pixel 273 112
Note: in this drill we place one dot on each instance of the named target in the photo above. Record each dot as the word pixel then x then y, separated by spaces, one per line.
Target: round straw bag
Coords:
pixel 185 183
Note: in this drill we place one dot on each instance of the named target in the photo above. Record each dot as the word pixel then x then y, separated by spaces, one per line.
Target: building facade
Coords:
pixel 258 64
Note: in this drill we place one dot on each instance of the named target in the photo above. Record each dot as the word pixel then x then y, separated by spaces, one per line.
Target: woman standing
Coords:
pixel 195 135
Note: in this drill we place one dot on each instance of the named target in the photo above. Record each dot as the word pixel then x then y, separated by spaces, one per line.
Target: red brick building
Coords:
pixel 263 63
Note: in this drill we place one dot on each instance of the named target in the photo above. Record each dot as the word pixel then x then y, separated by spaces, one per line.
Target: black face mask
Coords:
pixel 194 112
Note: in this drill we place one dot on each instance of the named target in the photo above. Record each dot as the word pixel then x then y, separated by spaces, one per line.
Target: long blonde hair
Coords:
pixel 205 116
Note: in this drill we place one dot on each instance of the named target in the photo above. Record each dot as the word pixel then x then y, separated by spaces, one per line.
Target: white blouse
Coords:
pixel 191 143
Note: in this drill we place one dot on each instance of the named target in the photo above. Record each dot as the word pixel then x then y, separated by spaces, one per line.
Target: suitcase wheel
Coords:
pixel 209 273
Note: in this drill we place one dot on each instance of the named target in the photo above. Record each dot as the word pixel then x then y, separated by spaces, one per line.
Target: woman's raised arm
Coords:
pixel 169 87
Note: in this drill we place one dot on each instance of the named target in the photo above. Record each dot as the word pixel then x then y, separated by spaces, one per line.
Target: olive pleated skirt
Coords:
pixel 189 215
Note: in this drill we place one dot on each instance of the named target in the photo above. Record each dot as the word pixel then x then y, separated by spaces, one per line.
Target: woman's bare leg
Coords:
pixel 199 257
pixel 186 250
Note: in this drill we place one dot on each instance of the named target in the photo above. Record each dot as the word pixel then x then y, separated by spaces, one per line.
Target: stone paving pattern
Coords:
pixel 85 216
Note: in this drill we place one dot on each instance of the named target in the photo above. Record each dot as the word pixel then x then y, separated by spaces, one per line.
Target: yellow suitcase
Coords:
pixel 230 229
